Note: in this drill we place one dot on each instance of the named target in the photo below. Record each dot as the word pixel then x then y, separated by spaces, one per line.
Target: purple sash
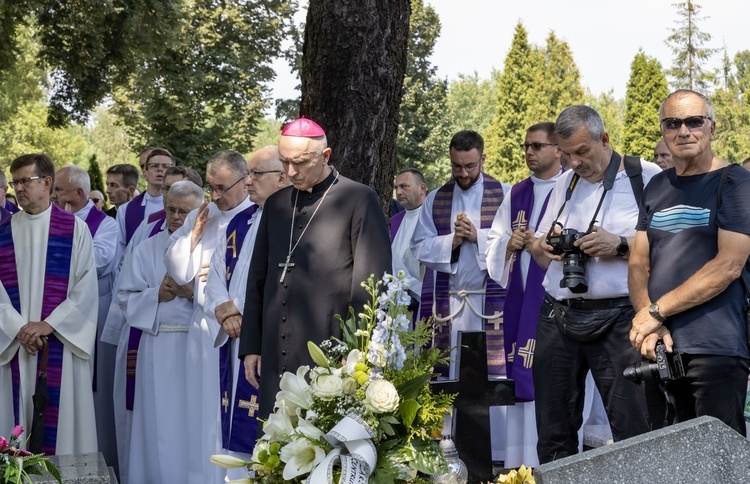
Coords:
pixel 521 316
pixel 56 279
pixel 4 215
pixel 11 207
pixel 134 215
pixel 94 220
pixel 160 215
pixel 134 341
pixel 396 223
pixel 435 287
pixel 239 434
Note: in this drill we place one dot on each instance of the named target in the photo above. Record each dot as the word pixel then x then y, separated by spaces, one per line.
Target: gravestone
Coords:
pixel 79 469
pixel 699 450
pixel 476 394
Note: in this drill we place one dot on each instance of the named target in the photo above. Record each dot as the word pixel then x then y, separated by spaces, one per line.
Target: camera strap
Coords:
pixel 607 183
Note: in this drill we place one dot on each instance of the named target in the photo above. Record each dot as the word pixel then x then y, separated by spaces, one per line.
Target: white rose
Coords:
pixel 381 396
pixel 350 385
pixel 327 387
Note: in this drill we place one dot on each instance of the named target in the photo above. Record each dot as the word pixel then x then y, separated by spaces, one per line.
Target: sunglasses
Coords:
pixel 691 123
pixel 535 146
pixel 96 200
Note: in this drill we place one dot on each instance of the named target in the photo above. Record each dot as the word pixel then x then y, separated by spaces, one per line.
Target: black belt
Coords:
pixel 595 304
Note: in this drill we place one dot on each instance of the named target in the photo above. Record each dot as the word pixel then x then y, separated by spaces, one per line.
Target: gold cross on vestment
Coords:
pixel 225 402
pixel 520 220
pixel 527 353
pixel 286 265
pixel 251 406
pixel 496 322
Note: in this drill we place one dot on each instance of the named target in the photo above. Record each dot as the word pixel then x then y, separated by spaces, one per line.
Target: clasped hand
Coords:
pixel 31 335
pixel 463 229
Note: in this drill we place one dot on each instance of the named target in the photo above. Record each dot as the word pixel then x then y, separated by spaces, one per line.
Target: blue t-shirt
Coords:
pixel 680 218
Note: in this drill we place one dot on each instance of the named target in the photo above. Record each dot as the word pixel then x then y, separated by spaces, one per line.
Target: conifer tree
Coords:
pixel 687 43
pixel 95 175
pixel 732 109
pixel 647 88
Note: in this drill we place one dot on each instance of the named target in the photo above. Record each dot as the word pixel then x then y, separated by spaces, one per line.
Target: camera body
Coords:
pixel 668 366
pixel 574 262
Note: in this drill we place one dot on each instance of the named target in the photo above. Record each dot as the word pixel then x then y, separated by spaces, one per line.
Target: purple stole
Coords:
pixel 238 435
pixel 436 285
pixel 56 278
pixel 134 341
pixel 521 317
pixel 158 217
pixel 10 207
pixel 93 221
pixel 134 214
pixel 396 223
pixel 4 215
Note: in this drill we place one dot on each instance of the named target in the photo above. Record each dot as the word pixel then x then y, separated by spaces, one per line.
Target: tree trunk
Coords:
pixel 353 64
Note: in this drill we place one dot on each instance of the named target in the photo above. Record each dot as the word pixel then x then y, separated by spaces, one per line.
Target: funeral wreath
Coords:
pixel 365 412
pixel 16 464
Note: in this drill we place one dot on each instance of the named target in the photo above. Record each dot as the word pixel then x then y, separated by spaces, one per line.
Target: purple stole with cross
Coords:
pixel 134 214
pixel 93 221
pixel 436 285
pixel 134 340
pixel 239 434
pixel 56 279
pixel 521 317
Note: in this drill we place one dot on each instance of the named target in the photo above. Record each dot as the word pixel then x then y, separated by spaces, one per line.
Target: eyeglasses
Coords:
pixel 535 146
pixel 177 211
pixel 691 123
pixel 221 190
pixel 255 174
pixel 23 181
pixel 163 166
pixel 470 167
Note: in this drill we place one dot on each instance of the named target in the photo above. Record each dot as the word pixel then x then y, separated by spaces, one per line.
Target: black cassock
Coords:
pixel 345 242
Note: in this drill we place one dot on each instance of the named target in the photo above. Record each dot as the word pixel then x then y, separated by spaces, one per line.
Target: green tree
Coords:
pixel 687 43
pixel 612 112
pixel 95 175
pixel 108 139
pixel 647 88
pixel 535 85
pixel 732 110
pixel 421 133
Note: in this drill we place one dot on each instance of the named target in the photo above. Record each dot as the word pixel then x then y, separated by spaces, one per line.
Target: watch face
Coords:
pixel 622 249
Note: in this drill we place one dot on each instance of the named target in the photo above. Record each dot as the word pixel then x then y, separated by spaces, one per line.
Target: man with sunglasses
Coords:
pixel 510 264
pixel 188 259
pixel 584 326
pixel 688 264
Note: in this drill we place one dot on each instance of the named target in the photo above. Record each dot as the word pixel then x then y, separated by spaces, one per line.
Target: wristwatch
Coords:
pixel 623 248
pixel 653 310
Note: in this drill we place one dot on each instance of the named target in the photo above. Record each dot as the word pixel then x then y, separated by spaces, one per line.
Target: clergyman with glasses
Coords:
pixel 317 241
pixel 688 264
pixel 451 241
pixel 188 259
pixel 47 312
pixel 511 265
pixel 583 240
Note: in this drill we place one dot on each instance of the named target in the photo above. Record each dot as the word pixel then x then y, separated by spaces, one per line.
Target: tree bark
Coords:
pixel 353 65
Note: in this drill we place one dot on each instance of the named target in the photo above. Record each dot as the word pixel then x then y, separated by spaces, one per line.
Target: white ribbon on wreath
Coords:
pixel 353 449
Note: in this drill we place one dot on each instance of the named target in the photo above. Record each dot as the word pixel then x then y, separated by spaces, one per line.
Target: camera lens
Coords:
pixel 574 273
pixel 637 372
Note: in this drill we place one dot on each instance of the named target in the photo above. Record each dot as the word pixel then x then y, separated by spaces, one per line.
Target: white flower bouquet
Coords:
pixel 365 412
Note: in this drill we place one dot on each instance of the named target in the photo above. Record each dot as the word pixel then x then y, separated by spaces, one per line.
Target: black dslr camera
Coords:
pixel 668 366
pixel 574 269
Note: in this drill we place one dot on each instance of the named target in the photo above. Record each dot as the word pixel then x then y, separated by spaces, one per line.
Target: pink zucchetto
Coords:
pixel 304 128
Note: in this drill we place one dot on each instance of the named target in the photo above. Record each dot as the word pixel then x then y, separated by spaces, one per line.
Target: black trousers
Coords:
pixel 560 367
pixel 713 385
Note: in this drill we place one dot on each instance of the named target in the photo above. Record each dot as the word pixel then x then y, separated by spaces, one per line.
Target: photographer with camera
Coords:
pixel 584 241
pixel 691 247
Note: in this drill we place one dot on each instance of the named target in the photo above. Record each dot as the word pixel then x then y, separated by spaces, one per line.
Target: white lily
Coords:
pixel 227 461
pixel 295 391
pixel 307 429
pixel 279 425
pixel 244 480
pixel 354 357
pixel 300 456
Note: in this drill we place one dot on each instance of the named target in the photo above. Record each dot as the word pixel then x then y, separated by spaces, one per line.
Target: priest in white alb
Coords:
pixel 225 300
pixel 188 259
pixel 158 313
pixel 48 308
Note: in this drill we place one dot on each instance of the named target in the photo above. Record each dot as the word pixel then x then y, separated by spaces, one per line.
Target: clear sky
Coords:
pixel 603 35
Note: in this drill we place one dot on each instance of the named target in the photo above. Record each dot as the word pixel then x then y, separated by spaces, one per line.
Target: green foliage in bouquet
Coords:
pixel 17 465
pixel 369 389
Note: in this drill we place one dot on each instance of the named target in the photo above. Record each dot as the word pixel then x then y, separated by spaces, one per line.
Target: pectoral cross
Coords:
pixel 251 406
pixel 286 265
pixel 225 402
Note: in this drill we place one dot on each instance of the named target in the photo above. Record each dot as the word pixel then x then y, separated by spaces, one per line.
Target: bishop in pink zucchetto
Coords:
pixel 303 128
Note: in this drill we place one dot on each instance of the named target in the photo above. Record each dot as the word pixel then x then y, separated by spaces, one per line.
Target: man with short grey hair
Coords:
pixel 4 202
pixel 187 260
pixel 584 240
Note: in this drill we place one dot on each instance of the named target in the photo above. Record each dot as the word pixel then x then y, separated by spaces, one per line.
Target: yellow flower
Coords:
pixel 523 475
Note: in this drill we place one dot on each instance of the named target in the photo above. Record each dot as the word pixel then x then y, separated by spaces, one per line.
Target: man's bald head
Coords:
pixel 266 174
